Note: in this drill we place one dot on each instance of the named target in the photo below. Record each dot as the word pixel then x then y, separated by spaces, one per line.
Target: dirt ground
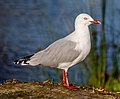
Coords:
pixel 13 89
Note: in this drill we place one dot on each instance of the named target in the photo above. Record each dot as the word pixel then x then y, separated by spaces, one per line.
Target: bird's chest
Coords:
pixel 83 47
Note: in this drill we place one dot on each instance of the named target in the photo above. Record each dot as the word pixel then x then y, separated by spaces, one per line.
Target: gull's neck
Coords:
pixel 81 30
pixel 80 33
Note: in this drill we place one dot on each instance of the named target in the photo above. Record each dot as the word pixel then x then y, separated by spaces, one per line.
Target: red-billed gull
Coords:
pixel 67 51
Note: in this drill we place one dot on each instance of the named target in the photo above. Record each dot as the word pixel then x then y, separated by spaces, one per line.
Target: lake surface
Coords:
pixel 27 26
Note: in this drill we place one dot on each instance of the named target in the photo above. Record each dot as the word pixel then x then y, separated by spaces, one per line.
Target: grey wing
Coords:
pixel 59 52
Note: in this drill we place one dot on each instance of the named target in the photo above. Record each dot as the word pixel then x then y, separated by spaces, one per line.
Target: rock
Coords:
pixel 13 89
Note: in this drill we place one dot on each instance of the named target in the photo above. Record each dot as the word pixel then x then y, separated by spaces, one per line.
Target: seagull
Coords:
pixel 65 52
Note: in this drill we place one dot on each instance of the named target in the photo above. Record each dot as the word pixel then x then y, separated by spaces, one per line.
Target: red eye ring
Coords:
pixel 85 18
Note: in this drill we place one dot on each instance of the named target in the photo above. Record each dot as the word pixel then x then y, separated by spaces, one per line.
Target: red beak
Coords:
pixel 95 22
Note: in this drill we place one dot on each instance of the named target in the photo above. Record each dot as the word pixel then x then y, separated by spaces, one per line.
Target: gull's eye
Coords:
pixel 85 18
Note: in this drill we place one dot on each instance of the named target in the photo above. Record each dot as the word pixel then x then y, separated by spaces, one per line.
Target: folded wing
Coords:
pixel 61 51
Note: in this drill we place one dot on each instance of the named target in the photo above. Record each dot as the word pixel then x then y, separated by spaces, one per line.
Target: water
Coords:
pixel 27 26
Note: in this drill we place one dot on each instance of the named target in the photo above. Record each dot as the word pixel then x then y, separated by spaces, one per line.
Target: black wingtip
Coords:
pixel 18 61
pixel 23 61
pixel 15 62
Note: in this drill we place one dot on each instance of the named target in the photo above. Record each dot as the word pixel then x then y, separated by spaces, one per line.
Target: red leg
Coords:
pixel 66 82
pixel 63 77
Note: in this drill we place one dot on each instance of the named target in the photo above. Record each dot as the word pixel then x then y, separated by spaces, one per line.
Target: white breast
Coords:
pixel 81 37
pixel 84 47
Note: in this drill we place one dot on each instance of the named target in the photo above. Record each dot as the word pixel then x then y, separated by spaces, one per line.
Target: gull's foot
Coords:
pixel 73 87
